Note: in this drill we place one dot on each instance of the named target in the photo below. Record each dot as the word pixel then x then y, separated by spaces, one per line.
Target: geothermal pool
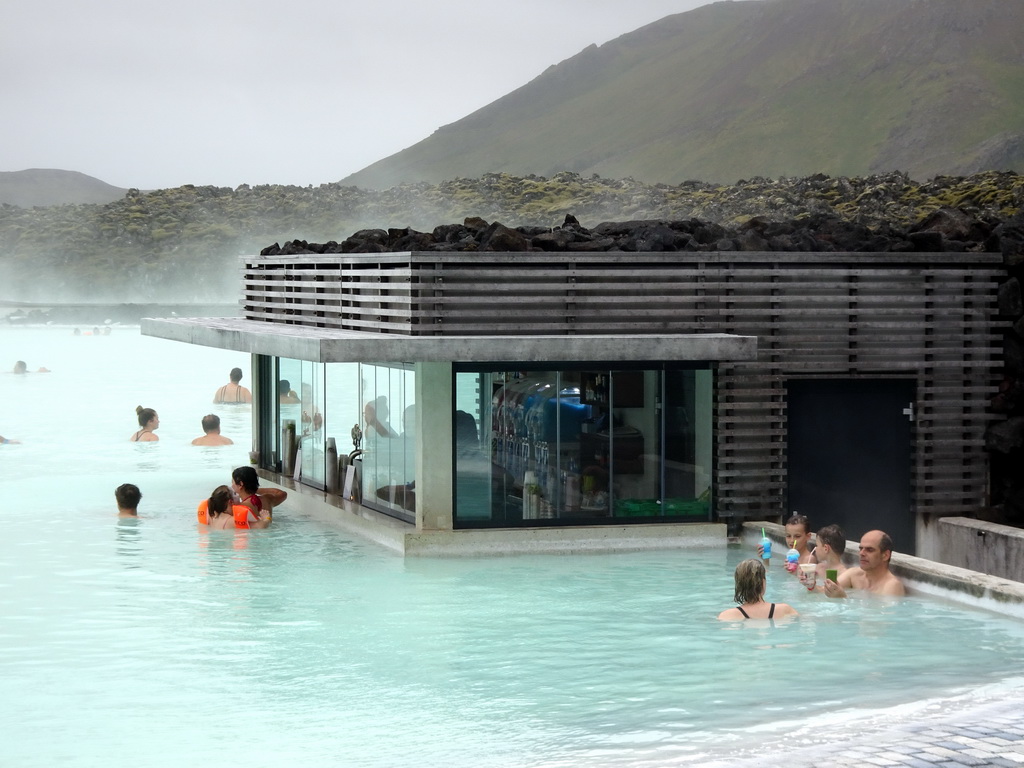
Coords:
pixel 153 643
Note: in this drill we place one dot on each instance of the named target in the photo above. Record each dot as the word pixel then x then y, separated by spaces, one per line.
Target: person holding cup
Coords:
pixel 873 574
pixel 830 544
pixel 798 533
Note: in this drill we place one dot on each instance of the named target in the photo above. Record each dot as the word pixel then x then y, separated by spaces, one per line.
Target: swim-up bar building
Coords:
pixel 503 397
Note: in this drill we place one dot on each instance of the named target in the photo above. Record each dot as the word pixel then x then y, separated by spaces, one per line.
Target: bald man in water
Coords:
pixel 873 575
pixel 211 426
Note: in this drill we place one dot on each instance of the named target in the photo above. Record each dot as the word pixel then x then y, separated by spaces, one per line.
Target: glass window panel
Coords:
pixel 289 373
pixel 342 417
pixel 311 428
pixel 388 461
pixel 590 446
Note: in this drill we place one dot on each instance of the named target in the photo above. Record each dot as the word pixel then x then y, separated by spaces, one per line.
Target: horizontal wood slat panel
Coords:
pixel 927 317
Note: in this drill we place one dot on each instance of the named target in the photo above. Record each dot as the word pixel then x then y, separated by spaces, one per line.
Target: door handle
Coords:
pixel 909 412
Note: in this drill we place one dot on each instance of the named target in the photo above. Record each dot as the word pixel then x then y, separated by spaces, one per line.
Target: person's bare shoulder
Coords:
pixel 892 586
pixel 784 609
pixel 850 577
pixel 730 614
pixel 275 496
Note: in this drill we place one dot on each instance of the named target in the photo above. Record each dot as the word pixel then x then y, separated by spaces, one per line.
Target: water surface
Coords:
pixel 152 642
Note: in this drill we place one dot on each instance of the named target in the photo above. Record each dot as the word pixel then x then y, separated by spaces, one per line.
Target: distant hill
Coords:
pixel 46 186
pixel 768 88
pixel 181 245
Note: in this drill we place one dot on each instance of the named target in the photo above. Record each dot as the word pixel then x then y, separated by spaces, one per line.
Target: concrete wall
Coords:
pixel 997 550
pixel 434 399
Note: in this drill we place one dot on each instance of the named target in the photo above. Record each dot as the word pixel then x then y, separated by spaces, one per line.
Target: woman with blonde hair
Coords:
pixel 750 586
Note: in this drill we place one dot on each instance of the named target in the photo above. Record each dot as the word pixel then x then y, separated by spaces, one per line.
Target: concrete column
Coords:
pixel 257 398
pixel 434 398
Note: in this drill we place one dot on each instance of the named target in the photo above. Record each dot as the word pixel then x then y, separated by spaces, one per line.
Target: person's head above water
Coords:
pixel 798 529
pixel 246 478
pixel 833 537
pixel 875 551
pixel 211 422
pixel 750 581
pixel 128 497
pixel 236 375
pixel 146 415
pixel 20 367
pixel 220 501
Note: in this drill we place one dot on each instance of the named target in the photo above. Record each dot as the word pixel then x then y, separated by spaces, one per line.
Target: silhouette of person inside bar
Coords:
pixel 376 414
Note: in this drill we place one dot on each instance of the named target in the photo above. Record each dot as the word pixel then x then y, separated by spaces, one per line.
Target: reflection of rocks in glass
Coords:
pixel 467 438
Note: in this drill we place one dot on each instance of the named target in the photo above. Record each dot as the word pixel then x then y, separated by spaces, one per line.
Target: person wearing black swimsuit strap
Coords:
pixel 751 582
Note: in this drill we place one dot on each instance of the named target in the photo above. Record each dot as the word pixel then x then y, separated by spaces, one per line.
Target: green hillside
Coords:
pixel 768 88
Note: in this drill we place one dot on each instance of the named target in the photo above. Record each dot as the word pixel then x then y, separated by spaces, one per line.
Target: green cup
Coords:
pixel 832 574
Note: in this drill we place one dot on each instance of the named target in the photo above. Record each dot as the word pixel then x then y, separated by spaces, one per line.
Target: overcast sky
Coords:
pixel 151 94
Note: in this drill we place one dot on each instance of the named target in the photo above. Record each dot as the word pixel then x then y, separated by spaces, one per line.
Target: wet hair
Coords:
pixel 128 496
pixel 800 520
pixel 833 536
pixel 236 375
pixel 247 478
pixel 750 580
pixel 285 386
pixel 20 366
pixel 211 421
pixel 220 501
pixel 146 415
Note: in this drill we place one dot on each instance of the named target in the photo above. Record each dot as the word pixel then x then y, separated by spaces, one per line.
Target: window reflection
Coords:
pixel 367 414
pixel 583 446
pixel 387 461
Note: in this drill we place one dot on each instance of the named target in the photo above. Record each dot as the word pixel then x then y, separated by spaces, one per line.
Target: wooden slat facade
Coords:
pixel 816 315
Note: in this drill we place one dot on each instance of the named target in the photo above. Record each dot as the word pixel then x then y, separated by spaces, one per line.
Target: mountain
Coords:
pixel 759 88
pixel 46 186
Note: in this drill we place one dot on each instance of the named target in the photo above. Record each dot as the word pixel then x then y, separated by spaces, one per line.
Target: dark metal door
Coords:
pixel 849 455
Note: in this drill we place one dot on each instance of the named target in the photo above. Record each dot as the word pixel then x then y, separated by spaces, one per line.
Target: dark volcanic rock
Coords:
pixel 498 237
pixel 1004 436
pixel 1010 301
pixel 926 242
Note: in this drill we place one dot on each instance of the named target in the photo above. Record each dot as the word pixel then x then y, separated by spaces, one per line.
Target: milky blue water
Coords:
pixel 152 643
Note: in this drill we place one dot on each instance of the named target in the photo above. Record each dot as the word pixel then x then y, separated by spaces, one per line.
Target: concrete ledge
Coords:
pixel 949 582
pixel 326 508
pixel 326 345
pixel 569 540
pixel 991 548
pixel 403 538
